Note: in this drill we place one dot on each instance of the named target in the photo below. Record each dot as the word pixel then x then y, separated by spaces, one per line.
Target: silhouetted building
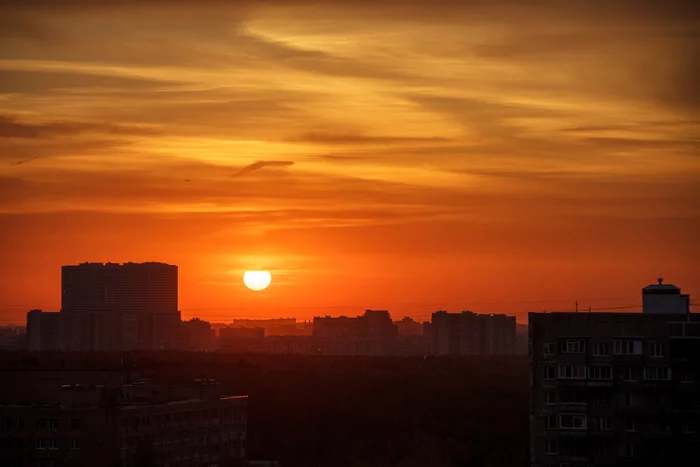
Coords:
pixel 45 331
pixel 276 326
pixel 615 389
pixel 114 307
pixel 12 338
pixel 409 327
pixel 468 333
pixel 242 340
pixel 130 424
pixel 370 334
pixel 664 298
pixel 196 335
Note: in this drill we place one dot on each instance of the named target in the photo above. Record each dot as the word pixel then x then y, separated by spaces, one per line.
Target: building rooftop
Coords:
pixel 661 286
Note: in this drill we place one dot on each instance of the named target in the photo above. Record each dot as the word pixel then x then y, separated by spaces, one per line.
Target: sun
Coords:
pixel 257 280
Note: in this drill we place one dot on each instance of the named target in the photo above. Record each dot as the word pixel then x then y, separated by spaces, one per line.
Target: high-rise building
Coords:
pixel 616 389
pixel 111 307
pixel 469 333
pixel 44 331
pixel 372 333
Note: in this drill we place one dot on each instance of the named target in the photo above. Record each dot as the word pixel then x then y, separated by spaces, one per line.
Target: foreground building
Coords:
pixel 124 425
pixel 616 389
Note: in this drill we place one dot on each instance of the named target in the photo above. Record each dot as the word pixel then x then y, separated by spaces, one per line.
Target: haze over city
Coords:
pixel 494 156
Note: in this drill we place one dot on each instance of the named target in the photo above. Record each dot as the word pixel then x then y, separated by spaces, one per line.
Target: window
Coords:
pixel 599 372
pixel 572 371
pixel 657 350
pixel 75 424
pixel 550 422
pixel 656 400
pixel 42 424
pixel 688 428
pixel 548 371
pixel 601 400
pixel 604 424
pixel 629 425
pixel 550 397
pixel 574 346
pixel 628 347
pixel 40 443
pixel 629 450
pixel 572 421
pixel 601 349
pixel 53 424
pixel 628 374
pixel 687 377
pixel 550 447
pixel 74 443
pixel 657 373
pixel 628 399
pixel 548 349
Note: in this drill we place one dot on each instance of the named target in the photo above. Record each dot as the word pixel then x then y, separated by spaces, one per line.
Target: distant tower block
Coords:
pixel 664 299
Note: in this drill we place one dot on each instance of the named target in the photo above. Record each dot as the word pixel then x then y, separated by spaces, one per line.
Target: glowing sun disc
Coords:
pixel 257 280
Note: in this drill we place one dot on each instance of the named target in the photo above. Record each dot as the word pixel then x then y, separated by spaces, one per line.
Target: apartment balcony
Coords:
pixel 601 434
pixel 573 407
pixel 572 433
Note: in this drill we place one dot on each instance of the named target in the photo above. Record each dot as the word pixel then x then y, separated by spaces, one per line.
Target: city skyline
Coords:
pixel 309 313
pixel 397 155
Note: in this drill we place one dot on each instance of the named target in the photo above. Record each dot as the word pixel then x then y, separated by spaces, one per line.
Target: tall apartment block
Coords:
pixel 469 333
pixel 112 307
pixel 616 389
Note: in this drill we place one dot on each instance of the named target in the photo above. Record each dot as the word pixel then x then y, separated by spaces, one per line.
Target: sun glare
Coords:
pixel 257 280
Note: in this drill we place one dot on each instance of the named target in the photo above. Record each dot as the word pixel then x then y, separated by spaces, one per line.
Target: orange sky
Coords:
pixel 498 156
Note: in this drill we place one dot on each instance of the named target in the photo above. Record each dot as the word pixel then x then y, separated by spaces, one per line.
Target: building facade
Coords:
pixel 469 333
pixel 614 389
pixel 134 424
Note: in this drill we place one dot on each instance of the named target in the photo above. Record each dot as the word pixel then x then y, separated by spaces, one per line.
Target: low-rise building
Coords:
pixel 130 424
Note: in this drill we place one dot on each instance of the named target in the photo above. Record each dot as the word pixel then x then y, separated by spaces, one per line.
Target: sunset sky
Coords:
pixel 486 155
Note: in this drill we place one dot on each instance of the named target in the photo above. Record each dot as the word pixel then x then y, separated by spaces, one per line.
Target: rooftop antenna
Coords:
pixel 576 306
pixel 661 280
pixel 589 308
